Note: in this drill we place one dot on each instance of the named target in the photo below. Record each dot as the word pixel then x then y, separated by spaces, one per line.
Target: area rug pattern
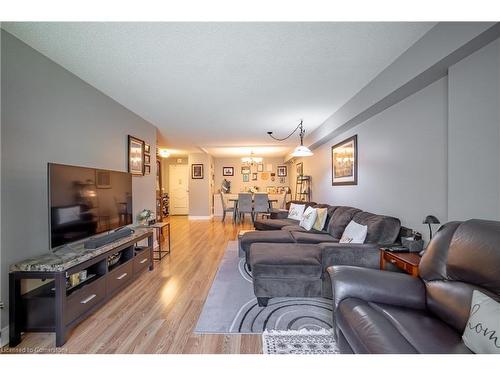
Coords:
pixel 299 342
pixel 231 306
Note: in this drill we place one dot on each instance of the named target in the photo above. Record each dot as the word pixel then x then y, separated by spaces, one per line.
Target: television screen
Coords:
pixel 85 201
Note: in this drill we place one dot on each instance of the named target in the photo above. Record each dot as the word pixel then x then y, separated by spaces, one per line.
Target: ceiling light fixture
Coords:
pixel 300 150
pixel 164 153
pixel 251 160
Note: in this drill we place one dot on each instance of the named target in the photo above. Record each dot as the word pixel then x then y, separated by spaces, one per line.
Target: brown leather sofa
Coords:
pixel 385 312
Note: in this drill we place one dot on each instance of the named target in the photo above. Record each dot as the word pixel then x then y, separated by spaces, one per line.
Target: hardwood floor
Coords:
pixel 159 312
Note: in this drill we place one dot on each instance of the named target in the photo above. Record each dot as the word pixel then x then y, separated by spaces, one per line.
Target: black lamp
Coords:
pixel 431 219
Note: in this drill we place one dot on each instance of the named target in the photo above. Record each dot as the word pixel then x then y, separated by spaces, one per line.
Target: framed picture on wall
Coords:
pixel 245 170
pixel 197 171
pixel 147 169
pixel 102 179
pixel 228 171
pixel 254 176
pixel 147 159
pixel 282 171
pixel 300 169
pixel 147 148
pixel 245 177
pixel 135 156
pixel 345 162
pixel 260 167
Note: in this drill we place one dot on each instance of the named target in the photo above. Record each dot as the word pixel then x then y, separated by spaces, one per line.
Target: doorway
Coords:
pixel 179 188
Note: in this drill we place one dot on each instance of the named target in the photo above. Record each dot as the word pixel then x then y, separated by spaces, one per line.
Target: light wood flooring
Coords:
pixel 158 313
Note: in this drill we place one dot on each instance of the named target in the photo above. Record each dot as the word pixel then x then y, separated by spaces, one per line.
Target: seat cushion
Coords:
pixel 298 228
pixel 285 261
pixel 273 224
pixel 269 236
pixel 312 238
pixel 379 328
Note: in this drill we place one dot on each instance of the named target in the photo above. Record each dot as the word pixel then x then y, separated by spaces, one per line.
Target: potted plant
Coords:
pixel 145 216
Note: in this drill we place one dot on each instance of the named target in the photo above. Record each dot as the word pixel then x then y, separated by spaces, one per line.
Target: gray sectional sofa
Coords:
pixel 288 261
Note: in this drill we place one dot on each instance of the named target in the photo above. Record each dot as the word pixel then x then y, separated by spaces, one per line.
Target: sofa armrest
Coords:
pixel 338 254
pixel 377 286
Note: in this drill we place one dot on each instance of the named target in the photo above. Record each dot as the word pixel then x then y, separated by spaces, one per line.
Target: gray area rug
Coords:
pixel 231 306
pixel 299 342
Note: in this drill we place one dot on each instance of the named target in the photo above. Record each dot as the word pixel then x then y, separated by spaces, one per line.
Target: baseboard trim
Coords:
pixel 4 336
pixel 191 217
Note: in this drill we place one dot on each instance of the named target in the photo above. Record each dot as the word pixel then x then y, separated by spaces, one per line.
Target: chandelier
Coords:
pixel 300 150
pixel 251 160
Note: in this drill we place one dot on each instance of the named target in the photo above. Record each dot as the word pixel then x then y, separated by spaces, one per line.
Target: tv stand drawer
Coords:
pixel 142 261
pixel 119 277
pixel 85 299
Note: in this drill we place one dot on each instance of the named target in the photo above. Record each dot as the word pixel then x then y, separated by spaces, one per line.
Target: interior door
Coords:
pixel 179 189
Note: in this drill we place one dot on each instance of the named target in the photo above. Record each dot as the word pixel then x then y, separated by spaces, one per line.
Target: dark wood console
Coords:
pixel 58 306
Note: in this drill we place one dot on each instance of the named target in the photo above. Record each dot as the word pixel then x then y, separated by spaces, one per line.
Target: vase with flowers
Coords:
pixel 145 216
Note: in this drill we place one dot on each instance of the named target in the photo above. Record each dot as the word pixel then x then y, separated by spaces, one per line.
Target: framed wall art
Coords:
pixel 260 167
pixel 282 170
pixel 245 177
pixel 245 170
pixel 135 156
pixel 254 176
pixel 300 169
pixel 228 171
pixel 345 162
pixel 197 171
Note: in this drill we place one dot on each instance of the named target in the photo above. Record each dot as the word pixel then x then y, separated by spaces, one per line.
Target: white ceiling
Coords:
pixel 213 85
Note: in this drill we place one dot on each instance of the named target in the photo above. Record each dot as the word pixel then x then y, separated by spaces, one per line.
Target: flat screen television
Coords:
pixel 84 202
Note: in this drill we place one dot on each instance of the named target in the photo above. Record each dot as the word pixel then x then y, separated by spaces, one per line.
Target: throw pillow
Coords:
pixel 482 331
pixel 296 211
pixel 308 218
pixel 321 214
pixel 354 233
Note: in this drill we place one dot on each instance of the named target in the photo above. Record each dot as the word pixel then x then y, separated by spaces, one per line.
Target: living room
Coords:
pixel 251 187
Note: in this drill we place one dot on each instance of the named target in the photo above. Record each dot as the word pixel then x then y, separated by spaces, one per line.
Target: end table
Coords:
pixel 408 262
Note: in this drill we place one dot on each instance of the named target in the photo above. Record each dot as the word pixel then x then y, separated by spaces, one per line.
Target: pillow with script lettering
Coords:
pixel 482 331
pixel 296 211
pixel 308 218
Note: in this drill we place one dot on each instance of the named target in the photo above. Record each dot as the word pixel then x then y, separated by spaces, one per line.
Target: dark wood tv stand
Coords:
pixel 58 307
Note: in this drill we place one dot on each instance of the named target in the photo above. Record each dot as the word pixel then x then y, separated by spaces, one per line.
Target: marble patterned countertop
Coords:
pixel 70 255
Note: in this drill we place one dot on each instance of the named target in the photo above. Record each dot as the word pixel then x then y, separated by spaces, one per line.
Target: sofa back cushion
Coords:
pixel 307 204
pixel 341 216
pixel 330 210
pixel 381 229
pixel 461 258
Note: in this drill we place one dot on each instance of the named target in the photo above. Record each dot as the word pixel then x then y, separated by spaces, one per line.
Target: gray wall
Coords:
pixel 436 152
pixel 50 115
pixel 474 136
pixel 402 161
pixel 200 200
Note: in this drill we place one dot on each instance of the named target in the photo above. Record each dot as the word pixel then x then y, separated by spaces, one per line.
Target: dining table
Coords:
pixel 235 211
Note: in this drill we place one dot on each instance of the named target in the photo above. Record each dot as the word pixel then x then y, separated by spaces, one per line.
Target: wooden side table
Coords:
pixel 408 262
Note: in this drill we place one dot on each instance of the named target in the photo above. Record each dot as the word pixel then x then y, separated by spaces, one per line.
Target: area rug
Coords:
pixel 231 306
pixel 299 342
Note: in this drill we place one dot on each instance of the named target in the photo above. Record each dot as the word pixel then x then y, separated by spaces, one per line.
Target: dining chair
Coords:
pixel 261 204
pixel 245 206
pixel 226 208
